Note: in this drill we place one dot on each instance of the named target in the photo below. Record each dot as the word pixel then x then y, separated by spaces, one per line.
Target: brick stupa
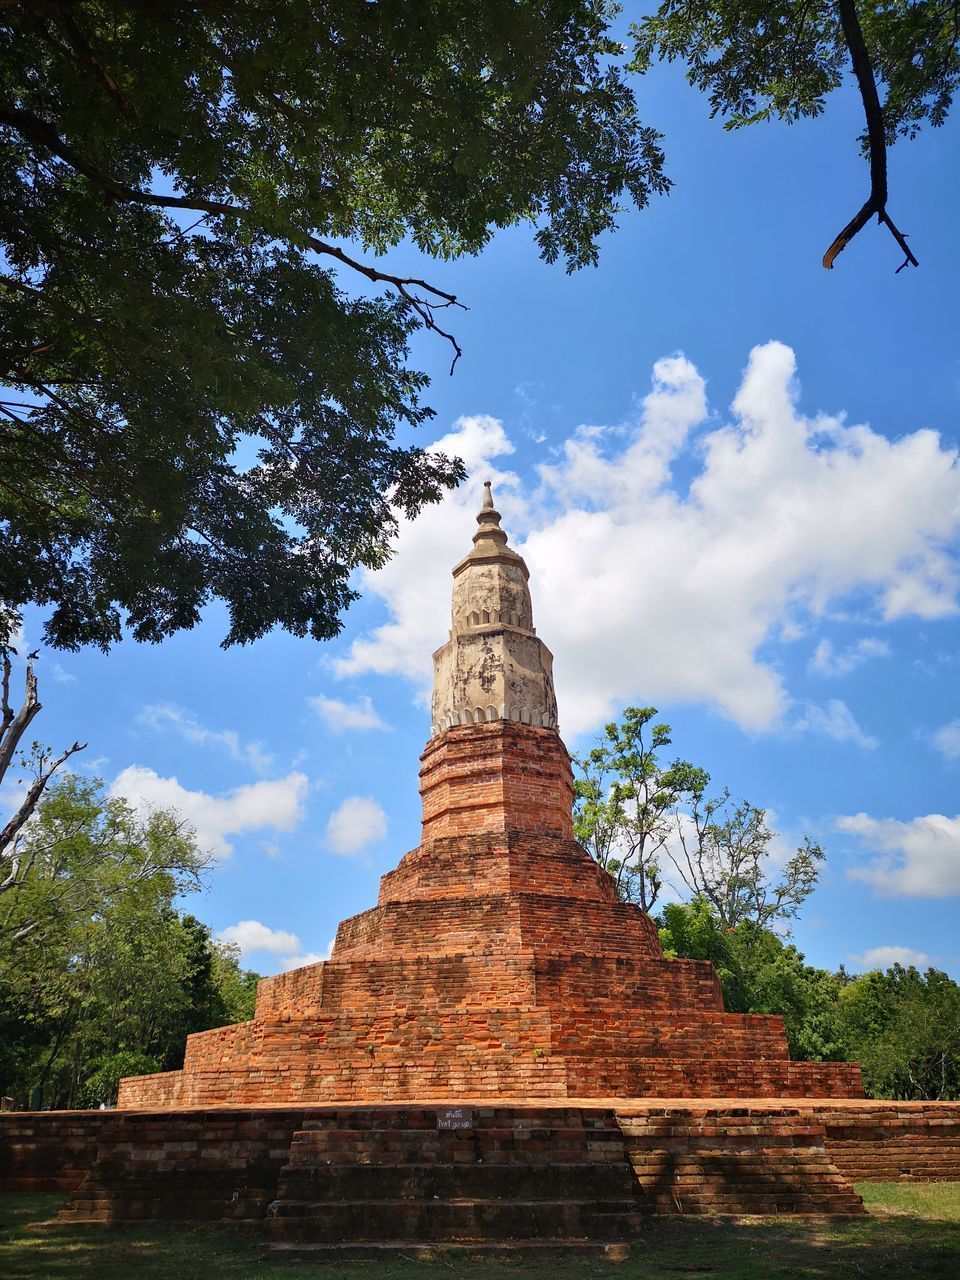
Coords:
pixel 498 962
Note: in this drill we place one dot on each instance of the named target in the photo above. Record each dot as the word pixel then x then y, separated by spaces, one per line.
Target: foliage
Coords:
pixel 96 962
pixel 723 855
pixel 202 411
pixel 904 1029
pixel 759 973
pixel 631 811
pixel 624 802
pixel 765 59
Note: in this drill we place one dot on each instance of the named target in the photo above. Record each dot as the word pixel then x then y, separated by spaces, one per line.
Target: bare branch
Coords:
pixel 876 138
pixel 16 725
pixel 30 801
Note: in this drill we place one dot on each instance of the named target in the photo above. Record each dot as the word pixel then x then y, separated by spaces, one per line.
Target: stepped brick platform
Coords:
pixel 495 964
pixel 48 1150
pixel 337 1182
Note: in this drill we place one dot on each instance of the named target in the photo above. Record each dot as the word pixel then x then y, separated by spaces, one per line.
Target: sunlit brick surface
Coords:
pixel 497 963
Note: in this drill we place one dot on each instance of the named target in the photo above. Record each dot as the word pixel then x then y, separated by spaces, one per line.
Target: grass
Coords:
pixel 912 1233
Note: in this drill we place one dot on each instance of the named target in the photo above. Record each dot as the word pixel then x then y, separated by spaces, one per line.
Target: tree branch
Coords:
pixel 16 725
pixel 85 55
pixel 40 133
pixel 12 829
pixel 876 138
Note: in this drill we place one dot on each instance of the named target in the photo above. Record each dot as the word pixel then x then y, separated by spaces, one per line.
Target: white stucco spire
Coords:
pixel 493 666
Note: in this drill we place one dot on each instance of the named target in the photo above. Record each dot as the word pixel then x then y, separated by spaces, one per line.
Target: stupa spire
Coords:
pixel 493 667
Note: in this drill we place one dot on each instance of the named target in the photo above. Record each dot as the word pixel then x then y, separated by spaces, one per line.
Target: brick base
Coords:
pixel 256 1163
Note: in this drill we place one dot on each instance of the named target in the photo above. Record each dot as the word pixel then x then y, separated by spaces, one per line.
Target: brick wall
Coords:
pixel 496 777
pixel 891 1142
pixel 47 1150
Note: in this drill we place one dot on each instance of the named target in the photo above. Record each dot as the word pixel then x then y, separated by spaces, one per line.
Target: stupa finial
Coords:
pixel 489 519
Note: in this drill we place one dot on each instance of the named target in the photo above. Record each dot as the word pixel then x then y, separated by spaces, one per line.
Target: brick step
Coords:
pixel 542 1150
pixel 452 1219
pixel 508 1250
pixel 747 1206
pixel 478 1181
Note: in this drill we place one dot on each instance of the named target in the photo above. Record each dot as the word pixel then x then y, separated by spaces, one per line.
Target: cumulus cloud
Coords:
pixel 886 957
pixel 277 804
pixel 919 858
pixel 251 935
pixel 416 582
pixel 343 716
pixel 355 824
pixel 650 589
pixel 309 957
pixel 166 715
pixel 62 675
pixel 827 661
pixel 836 721
pixel 947 740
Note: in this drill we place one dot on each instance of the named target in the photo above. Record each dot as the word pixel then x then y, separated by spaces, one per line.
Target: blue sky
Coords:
pixel 734 477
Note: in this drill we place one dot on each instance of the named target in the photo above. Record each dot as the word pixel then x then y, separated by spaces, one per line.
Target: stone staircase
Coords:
pixel 368 1183
pixel 733 1160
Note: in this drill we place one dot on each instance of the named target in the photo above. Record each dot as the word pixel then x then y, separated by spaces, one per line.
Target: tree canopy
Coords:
pixel 101 974
pixel 201 411
pixel 626 801
pixel 209 389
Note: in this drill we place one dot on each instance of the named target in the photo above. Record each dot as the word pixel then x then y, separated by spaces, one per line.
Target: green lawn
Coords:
pixel 913 1233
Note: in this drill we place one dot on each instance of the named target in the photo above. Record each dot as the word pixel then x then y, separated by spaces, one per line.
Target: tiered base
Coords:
pixel 494 965
pixel 331 1181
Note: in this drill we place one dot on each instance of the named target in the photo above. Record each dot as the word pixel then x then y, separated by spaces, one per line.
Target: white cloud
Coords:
pixel 828 661
pixel 416 583
pixel 919 859
pixel 277 804
pixel 165 715
pixel 342 716
pixel 886 957
pixel 251 935
pixel 356 823
pixel 836 721
pixel 647 590
pixel 61 675
pixel 947 740
pixel 309 957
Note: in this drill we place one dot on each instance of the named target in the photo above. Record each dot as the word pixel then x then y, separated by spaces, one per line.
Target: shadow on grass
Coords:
pixel 885 1244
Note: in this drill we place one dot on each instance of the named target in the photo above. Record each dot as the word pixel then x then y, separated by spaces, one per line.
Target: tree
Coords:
pixel 624 802
pixel 903 1027
pixel 41 763
pixel 198 410
pixel 722 854
pixel 761 59
pixel 108 977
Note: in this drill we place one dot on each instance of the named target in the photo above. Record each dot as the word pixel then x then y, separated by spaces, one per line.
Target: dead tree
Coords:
pixel 42 763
